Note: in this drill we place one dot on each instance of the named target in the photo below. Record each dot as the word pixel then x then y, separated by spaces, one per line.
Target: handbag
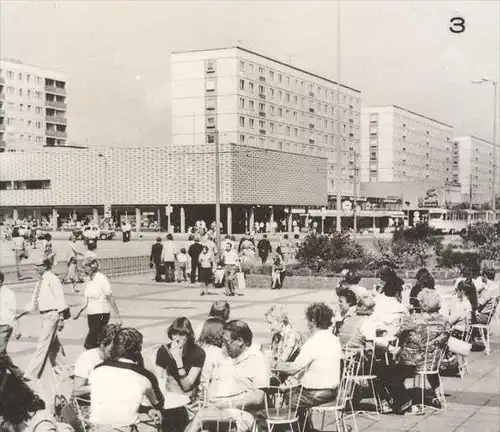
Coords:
pixel 459 346
pixel 240 278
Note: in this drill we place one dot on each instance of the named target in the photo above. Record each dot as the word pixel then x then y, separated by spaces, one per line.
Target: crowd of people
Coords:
pixel 200 260
pixel 218 371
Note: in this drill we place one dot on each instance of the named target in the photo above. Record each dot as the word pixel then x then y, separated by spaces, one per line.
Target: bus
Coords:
pixel 456 221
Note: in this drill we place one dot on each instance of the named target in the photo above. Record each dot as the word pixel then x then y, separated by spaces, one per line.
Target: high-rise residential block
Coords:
pixel 32 107
pixel 259 102
pixel 473 168
pixel 398 145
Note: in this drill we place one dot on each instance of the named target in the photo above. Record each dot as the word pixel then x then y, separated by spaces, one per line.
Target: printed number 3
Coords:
pixel 457 25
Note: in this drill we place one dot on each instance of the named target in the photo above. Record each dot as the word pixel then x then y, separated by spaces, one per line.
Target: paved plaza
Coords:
pixel 150 307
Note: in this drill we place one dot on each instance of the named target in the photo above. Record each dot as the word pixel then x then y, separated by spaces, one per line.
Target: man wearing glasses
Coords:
pixel 235 389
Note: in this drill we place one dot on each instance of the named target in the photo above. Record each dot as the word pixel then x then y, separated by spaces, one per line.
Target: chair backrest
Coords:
pixel 352 363
pixel 435 348
pixel 282 402
pixel 496 306
pixel 63 380
pixel 367 359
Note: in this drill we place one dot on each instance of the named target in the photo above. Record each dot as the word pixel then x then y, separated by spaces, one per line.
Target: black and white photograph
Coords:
pixel 249 216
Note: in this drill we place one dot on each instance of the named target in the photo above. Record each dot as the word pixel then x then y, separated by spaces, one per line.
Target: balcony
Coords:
pixel 2 96
pixel 262 96
pixel 2 127
pixel 54 104
pixel 262 131
pixel 262 114
pixel 55 90
pixel 55 134
pixel 262 79
pixel 3 144
pixel 56 119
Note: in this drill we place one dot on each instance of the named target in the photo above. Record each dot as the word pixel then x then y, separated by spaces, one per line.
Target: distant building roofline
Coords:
pixel 476 137
pixel 11 60
pixel 271 59
pixel 409 111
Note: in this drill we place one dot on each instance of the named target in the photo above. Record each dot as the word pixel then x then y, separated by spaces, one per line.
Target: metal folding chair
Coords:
pixel 344 394
pixel 484 330
pixel 434 353
pixel 281 406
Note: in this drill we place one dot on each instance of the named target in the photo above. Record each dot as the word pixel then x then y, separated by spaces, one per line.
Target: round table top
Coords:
pixel 175 400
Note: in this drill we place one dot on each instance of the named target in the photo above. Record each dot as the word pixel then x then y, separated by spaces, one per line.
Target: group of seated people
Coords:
pixel 223 373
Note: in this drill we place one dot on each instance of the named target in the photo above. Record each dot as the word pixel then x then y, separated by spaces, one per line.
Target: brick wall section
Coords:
pixel 142 176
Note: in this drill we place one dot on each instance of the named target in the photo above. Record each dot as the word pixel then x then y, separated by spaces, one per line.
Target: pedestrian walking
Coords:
pixel 264 248
pixel 19 248
pixel 48 300
pixel 231 262
pixel 206 261
pixel 155 258
pixel 182 264
pixel 99 301
pixel 194 252
pixel 72 256
pixel 168 257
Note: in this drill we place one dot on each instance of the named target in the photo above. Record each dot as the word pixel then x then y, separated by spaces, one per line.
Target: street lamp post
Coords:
pixel 106 180
pixel 495 162
pixel 217 191
pixel 339 127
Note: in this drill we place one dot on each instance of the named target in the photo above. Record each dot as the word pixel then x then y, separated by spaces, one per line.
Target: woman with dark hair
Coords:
pixel 178 365
pixel 424 280
pixel 220 310
pixel 211 341
pixel 390 279
pixel 181 359
pixel 319 360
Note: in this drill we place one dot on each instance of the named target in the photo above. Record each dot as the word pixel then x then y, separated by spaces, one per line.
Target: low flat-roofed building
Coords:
pixel 256 184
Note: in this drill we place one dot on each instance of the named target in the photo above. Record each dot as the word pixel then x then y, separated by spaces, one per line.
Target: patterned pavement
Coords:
pixel 474 402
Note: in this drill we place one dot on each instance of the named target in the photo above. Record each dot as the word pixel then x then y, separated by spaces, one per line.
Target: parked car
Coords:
pixel 100 233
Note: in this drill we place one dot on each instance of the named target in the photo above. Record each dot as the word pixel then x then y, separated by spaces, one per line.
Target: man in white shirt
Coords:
pixel 235 389
pixel 48 300
pixel 318 360
pixel 7 314
pixel 89 359
pixel 119 386
pixel 168 257
pixel 231 261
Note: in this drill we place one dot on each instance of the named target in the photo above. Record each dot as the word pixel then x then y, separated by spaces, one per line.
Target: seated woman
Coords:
pixel 286 342
pixel 459 319
pixel 220 310
pixel 356 329
pixel 414 352
pixel 351 281
pixel 318 361
pixel 424 280
pixel 389 311
pixel 178 366
pixel 211 342
pixel 89 359
pixel 20 408
pixel 346 308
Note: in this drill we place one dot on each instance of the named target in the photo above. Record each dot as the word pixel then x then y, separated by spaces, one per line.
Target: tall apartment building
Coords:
pixel 260 102
pixel 398 145
pixel 32 107
pixel 473 167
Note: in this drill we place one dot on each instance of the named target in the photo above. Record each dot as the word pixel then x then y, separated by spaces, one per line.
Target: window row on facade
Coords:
pixel 24 137
pixel 24 93
pixel 24 184
pixel 280 96
pixel 294 84
pixel 267 109
pixel 301 130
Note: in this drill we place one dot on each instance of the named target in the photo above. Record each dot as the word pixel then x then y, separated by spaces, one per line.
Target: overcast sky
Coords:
pixel 116 54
